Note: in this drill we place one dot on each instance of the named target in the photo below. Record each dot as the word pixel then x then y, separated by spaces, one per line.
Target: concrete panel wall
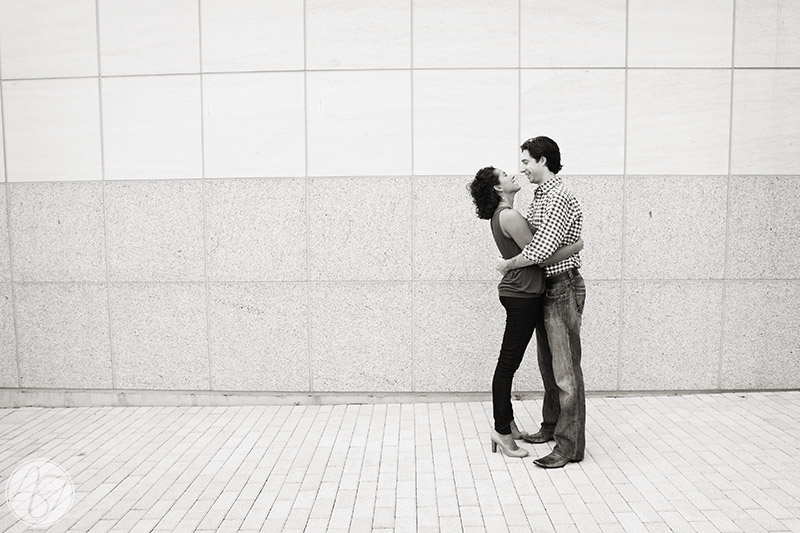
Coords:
pixel 200 195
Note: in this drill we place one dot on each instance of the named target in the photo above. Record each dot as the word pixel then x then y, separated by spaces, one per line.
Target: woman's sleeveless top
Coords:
pixel 525 282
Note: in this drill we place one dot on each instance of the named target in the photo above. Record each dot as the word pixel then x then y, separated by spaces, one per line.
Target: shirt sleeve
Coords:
pixel 551 233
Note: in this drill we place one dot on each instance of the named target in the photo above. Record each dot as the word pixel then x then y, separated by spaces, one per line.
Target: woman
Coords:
pixel 521 294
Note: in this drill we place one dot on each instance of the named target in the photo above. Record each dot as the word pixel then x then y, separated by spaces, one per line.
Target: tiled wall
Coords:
pixel 270 196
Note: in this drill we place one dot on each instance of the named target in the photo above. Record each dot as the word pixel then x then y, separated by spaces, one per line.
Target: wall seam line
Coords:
pixel 103 185
pixel 405 281
pixel 309 322
pixel 203 194
pixel 413 203
pixel 7 187
pixel 394 176
pixel 484 68
pixel 622 287
pixel 725 265
pixel 516 158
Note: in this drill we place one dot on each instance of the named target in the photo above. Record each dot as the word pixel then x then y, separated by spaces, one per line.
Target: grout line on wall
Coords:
pixel 234 72
pixel 103 185
pixel 621 339
pixel 3 130
pixel 206 285
pixel 413 198
pixel 7 190
pixel 7 187
pixel 725 267
pixel 393 176
pixel 519 88
pixel 108 292
pixel 306 202
pixel 682 281
pixel 516 153
pixel 203 193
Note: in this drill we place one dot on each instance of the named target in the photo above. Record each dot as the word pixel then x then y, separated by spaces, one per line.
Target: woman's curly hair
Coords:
pixel 484 196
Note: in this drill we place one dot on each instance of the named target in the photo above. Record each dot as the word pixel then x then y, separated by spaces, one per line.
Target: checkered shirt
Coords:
pixel 556 218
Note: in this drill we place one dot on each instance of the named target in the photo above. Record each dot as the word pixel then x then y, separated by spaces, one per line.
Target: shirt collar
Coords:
pixel 548 186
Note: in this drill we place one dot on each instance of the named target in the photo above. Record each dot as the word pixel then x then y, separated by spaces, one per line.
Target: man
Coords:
pixel 557 218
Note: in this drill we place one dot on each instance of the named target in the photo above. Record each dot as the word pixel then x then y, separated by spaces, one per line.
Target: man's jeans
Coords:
pixel 559 352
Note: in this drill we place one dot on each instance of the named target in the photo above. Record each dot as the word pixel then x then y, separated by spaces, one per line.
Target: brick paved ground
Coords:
pixel 716 462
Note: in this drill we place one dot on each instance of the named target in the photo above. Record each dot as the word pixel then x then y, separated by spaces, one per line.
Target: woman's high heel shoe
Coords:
pixel 517 433
pixel 507 445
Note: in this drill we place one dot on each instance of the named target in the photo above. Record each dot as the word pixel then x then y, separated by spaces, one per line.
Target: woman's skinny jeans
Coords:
pixel 522 317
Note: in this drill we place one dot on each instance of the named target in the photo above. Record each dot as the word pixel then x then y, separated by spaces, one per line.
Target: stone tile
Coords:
pixel 374 108
pixel 48 39
pixel 252 35
pixel 254 124
pixel 765 35
pixel 52 130
pixel 258 334
pixel 675 227
pixel 358 34
pixel 690 105
pixel 264 237
pixel 456 35
pixel 671 335
pixel 9 377
pixel 571 106
pixel 599 342
pixel 155 231
pixel 152 127
pixel 682 33
pixel 450 241
pixel 572 34
pixel 763 227
pixel 62 330
pixel 601 200
pixel 348 241
pixel 159 336
pixel 600 339
pixel 5 257
pixel 361 336
pixel 57 231
pixel 149 37
pixel 765 121
pixel 760 342
pixel 458 330
pixel 458 112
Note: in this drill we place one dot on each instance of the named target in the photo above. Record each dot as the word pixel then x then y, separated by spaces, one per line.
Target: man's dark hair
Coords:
pixel 484 196
pixel 547 147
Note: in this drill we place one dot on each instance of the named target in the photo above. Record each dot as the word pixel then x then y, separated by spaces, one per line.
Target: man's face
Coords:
pixel 533 169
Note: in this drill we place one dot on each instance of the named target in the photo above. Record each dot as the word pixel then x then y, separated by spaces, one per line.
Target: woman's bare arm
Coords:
pixel 516 227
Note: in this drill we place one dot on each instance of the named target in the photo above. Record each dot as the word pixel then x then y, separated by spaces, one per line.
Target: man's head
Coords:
pixel 540 159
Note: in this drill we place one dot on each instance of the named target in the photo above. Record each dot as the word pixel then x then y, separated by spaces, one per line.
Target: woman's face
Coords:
pixel 505 182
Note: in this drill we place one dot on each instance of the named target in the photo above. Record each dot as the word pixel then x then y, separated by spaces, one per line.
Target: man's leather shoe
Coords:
pixel 539 437
pixel 552 460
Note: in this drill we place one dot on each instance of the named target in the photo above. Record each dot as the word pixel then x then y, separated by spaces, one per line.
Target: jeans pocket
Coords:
pixel 556 291
pixel 580 298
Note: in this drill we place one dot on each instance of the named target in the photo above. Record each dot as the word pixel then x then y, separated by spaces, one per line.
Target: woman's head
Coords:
pixel 488 187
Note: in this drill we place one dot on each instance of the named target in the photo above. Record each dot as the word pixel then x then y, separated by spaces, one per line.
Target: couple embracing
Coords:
pixel 542 291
